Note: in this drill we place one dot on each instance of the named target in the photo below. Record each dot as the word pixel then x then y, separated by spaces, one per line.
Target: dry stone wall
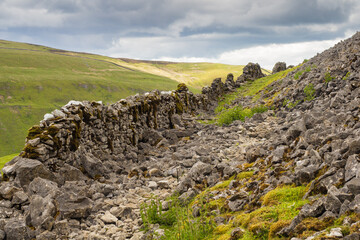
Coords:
pixel 85 134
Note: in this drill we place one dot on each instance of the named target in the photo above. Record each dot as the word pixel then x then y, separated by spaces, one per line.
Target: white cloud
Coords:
pixel 266 55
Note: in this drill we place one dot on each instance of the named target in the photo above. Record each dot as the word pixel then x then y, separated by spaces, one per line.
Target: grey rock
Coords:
pixel 8 189
pixel 28 169
pixel 108 218
pixel 237 205
pixel 354 186
pixel 250 72
pixel 352 167
pixel 355 204
pixel 19 198
pixel 73 201
pixel 43 187
pixel 153 185
pixel 278 67
pixel 332 203
pixel 92 165
pixel 16 229
pixel 70 173
pixel 42 212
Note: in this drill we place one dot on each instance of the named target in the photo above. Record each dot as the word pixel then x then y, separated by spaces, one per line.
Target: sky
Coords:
pixel 227 31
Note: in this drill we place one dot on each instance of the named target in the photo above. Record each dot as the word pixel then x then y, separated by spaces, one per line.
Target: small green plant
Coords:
pixel 346 76
pixel 178 221
pixel 293 104
pixel 309 92
pixel 305 61
pixel 239 113
pixel 151 213
pixel 328 77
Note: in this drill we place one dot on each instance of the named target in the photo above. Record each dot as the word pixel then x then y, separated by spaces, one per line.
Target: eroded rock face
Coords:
pixel 251 72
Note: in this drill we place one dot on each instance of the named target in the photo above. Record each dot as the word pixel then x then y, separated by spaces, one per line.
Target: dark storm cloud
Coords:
pixel 198 27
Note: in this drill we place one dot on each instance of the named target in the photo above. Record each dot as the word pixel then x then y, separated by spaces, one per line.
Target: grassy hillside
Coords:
pixel 35 80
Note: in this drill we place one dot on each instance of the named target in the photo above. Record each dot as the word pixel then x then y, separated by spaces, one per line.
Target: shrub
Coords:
pixel 328 77
pixel 346 76
pixel 178 221
pixel 309 92
pixel 239 113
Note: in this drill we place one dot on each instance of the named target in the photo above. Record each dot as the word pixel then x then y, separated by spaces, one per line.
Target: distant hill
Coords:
pixel 36 79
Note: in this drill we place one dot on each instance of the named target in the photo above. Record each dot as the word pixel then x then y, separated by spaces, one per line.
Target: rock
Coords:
pixel 8 189
pixel 70 173
pixel 42 212
pixel 237 205
pixel 19 198
pixel 155 172
pixel 352 167
pixel 314 210
pixel 332 203
pixel 46 236
pixel 354 186
pixel 335 233
pixel 164 184
pixel 43 188
pixel 28 169
pixel 187 196
pixel 2 234
pixel 153 185
pixel 250 72
pixel 229 82
pixel 353 236
pixel 108 218
pixel 355 204
pixel 73 202
pixel 92 165
pixel 279 66
pixel 237 233
pixel 16 229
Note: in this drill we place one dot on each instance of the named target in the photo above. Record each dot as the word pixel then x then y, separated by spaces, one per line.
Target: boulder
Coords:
pixel 354 186
pixel 43 188
pixel 41 212
pixel 278 67
pixel 25 170
pixel 16 229
pixel 73 201
pixel 92 165
pixel 251 72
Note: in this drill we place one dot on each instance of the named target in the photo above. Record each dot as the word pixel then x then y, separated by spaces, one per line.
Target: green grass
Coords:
pixel 309 92
pixel 6 159
pixel 238 113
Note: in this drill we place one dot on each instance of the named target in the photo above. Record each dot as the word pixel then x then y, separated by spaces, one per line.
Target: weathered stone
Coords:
pixel 250 72
pixel 108 218
pixel 8 189
pixel 92 165
pixel 42 212
pixel 16 229
pixel 278 67
pixel 43 187
pixel 19 198
pixel 237 205
pixel 73 201
pixel 354 186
